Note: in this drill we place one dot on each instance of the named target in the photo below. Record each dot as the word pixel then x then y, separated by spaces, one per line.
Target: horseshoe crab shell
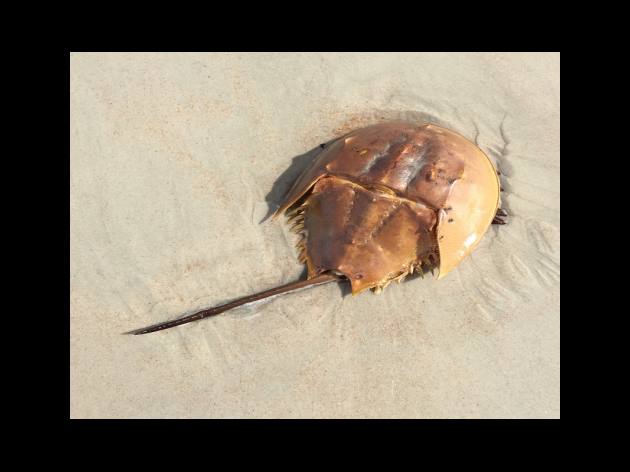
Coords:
pixel 382 201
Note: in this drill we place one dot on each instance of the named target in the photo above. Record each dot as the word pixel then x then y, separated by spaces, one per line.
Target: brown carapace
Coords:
pixel 381 203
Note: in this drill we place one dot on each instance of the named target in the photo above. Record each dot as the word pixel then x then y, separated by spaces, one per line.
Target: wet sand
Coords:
pixel 177 158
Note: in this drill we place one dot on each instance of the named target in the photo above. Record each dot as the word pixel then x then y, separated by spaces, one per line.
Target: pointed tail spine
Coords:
pixel 287 288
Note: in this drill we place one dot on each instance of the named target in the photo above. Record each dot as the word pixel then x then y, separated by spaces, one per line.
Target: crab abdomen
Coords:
pixel 370 237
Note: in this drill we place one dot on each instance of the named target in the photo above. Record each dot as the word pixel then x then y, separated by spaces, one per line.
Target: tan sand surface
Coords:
pixel 176 159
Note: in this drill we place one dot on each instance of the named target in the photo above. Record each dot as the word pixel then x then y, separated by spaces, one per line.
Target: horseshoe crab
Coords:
pixel 381 203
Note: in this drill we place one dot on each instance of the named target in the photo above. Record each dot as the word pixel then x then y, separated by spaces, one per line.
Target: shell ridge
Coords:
pixel 393 155
pixel 395 194
pixel 350 208
pixel 382 155
pixel 418 165
pixel 381 224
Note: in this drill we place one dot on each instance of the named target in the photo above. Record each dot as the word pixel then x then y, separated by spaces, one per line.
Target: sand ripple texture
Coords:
pixel 176 159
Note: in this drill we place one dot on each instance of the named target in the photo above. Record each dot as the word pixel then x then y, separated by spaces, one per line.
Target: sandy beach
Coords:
pixel 177 160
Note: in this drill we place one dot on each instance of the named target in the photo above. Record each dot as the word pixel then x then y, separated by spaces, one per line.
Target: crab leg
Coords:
pixel 287 288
